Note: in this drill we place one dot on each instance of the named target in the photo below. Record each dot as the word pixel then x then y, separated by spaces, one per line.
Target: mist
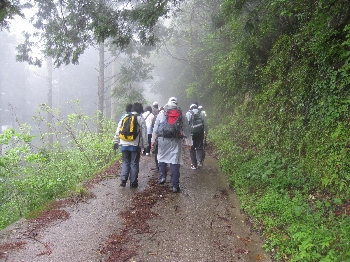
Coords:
pixel 153 73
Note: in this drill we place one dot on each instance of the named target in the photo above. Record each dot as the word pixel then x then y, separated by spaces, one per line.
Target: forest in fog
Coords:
pixel 137 72
pixel 24 87
pixel 272 75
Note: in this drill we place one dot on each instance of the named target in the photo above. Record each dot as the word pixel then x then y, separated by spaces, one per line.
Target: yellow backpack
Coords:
pixel 128 129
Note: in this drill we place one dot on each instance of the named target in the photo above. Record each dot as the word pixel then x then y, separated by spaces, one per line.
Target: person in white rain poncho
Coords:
pixel 148 116
pixel 169 147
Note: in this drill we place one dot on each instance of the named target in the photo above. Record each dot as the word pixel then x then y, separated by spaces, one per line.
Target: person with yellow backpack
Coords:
pixel 130 137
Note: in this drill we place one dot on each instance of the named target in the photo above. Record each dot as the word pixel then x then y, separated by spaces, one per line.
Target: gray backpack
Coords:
pixel 171 126
pixel 196 123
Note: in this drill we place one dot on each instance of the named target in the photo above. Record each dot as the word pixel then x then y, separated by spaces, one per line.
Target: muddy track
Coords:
pixel 150 223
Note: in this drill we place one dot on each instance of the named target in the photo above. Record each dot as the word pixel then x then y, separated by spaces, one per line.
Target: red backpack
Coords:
pixel 172 125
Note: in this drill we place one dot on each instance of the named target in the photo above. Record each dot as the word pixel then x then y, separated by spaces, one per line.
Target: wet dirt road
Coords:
pixel 203 223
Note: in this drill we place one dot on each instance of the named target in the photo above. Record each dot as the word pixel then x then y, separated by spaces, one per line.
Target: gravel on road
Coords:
pixel 202 223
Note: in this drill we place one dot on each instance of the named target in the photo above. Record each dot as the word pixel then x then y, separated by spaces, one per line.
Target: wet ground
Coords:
pixel 201 223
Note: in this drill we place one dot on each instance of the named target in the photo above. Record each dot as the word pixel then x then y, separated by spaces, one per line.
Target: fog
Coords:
pixel 24 88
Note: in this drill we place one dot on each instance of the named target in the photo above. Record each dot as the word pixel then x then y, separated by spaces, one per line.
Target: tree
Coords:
pixel 67 28
pixel 101 89
pixel 133 72
pixel 49 98
pixel 9 9
pixel 12 79
pixel 183 64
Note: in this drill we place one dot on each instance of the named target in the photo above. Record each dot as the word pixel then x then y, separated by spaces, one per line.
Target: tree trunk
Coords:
pixel 100 91
pixel 107 100
pixel 113 100
pixel 49 99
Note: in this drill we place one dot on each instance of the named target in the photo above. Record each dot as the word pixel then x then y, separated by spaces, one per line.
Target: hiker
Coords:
pixel 148 116
pixel 170 135
pixel 201 108
pixel 155 109
pixel 155 112
pixel 131 150
pixel 128 109
pixel 155 145
pixel 199 129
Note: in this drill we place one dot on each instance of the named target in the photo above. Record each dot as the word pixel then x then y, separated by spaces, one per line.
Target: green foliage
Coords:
pixel 65 29
pixel 9 9
pixel 81 193
pixel 276 74
pixel 31 177
pixel 284 79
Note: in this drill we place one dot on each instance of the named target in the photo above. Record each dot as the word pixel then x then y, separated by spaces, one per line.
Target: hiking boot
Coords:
pixel 134 185
pixel 161 181
pixel 193 167
pixel 176 189
pixel 123 183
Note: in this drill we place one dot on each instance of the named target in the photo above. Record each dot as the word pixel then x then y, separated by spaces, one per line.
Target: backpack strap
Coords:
pixel 147 115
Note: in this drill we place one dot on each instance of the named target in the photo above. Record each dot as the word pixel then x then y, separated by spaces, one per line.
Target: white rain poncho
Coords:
pixel 170 149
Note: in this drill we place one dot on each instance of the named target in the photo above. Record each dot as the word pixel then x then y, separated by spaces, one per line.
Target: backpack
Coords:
pixel 196 123
pixel 128 128
pixel 171 126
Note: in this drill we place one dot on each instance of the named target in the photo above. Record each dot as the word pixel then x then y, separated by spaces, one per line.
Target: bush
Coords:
pixel 30 178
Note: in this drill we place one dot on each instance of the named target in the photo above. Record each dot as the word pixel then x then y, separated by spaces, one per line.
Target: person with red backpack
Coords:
pixel 170 128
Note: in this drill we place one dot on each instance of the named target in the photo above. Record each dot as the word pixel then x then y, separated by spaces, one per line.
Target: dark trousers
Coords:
pixel 130 165
pixel 156 153
pixel 148 149
pixel 175 173
pixel 197 149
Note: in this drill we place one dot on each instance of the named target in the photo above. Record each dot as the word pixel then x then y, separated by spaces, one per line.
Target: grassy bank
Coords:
pixel 34 175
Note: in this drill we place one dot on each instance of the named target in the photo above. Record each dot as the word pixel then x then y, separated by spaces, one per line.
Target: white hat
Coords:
pixel 172 101
pixel 193 106
pixel 200 107
pixel 155 103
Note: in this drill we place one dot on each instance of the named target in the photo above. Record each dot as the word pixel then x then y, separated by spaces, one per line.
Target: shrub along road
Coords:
pixel 150 223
